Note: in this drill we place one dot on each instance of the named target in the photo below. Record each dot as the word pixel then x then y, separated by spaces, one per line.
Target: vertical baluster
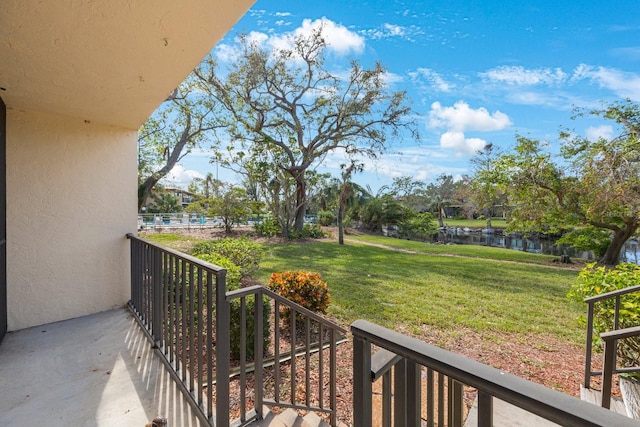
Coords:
pixel 210 349
pixel 307 358
pixel 441 409
pixel 293 355
pixel 430 399
pixel 414 392
pixel 165 303
pixel 276 366
pixel 321 365
pixel 183 307
pixel 170 304
pixel 485 409
pixel 333 373
pixel 155 306
pixel 258 353
pixel 400 395
pixel 200 346
pixel 456 404
pixel 192 327
pixel 243 358
pixel 386 399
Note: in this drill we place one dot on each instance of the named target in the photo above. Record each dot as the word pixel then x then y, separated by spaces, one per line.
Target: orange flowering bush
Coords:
pixel 302 287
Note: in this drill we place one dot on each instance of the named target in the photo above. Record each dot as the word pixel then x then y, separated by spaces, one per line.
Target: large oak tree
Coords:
pixel 598 185
pixel 285 109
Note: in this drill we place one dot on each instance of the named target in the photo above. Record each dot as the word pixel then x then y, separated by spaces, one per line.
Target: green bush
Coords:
pixel 596 280
pixel 233 271
pixel 268 227
pixel 242 252
pixel 327 218
pixel 302 287
pixel 309 231
pixel 233 283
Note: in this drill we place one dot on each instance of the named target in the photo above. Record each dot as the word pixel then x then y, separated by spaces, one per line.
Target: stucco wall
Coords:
pixel 71 198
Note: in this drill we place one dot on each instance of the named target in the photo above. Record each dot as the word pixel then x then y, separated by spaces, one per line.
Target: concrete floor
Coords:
pixel 97 370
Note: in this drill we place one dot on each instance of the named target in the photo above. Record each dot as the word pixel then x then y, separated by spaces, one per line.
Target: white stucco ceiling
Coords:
pixel 110 61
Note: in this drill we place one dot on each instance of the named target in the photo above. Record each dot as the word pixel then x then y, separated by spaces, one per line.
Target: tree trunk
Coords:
pixel 612 255
pixel 440 219
pixel 301 201
pixel 173 156
pixel 340 226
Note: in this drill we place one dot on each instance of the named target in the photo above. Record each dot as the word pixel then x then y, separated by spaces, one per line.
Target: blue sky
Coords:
pixel 477 72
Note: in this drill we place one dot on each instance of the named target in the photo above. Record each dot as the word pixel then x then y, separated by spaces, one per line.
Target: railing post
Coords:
pixel 156 292
pixel 223 351
pixel 607 372
pixel 258 352
pixel 587 366
pixel 362 388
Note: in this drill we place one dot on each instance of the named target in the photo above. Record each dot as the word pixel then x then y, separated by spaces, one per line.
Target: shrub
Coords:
pixel 233 282
pixel 326 218
pixel 302 287
pixel 594 280
pixel 233 271
pixel 309 231
pixel 242 252
pixel 268 227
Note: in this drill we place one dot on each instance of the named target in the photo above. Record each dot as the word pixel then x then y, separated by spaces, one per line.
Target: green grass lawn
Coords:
pixel 442 286
pixel 394 288
pixel 475 251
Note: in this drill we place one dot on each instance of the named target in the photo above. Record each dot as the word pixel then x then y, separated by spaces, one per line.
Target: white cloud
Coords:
pixel 622 83
pixel 339 38
pixel 434 79
pixel 180 177
pixel 461 117
pixel 283 13
pixel 390 78
pixel 594 133
pixel 456 141
pixel 520 76
pixel 394 30
pixel 391 30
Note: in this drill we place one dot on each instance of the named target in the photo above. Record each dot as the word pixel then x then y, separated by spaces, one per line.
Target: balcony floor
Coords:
pixel 97 370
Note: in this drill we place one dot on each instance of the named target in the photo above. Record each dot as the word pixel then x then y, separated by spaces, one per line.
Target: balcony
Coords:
pixel 173 353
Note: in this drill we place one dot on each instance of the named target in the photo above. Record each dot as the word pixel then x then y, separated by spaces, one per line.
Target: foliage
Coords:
pixel 268 227
pixel 233 283
pixel 302 287
pixel 484 191
pixel 233 271
pixel 594 280
pixel 163 202
pixel 179 125
pixel 440 195
pixel 418 226
pixel 232 206
pixel 587 239
pixel 601 188
pixel 287 112
pixel 309 231
pixel 326 218
pixel 383 210
pixel 242 252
